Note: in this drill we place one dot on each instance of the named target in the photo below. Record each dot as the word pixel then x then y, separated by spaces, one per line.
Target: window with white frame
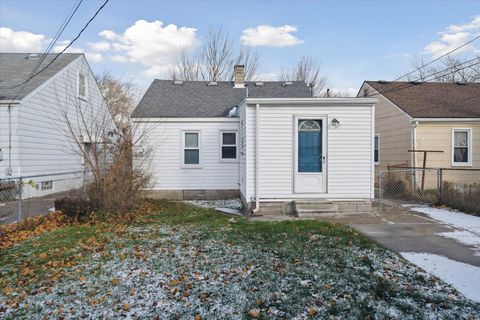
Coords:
pixel 47 185
pixel 229 145
pixel 82 85
pixel 191 148
pixel 462 146
pixel 376 149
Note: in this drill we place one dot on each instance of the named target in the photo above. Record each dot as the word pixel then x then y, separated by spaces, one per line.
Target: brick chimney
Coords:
pixel 239 76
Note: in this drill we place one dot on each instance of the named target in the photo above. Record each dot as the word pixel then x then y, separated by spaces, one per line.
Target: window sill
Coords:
pixel 229 160
pixel 82 98
pixel 460 164
pixel 191 166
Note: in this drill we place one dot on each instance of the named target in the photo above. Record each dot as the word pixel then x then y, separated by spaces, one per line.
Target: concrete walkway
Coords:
pixel 402 230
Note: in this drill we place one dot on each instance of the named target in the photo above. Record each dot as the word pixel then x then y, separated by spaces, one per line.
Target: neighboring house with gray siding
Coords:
pixel 34 137
pixel 271 143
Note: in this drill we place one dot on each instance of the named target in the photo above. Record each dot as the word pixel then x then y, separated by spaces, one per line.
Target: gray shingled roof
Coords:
pixel 196 99
pixel 16 67
pixel 432 99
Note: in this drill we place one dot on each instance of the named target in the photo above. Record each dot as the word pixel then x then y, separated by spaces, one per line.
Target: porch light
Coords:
pixel 335 123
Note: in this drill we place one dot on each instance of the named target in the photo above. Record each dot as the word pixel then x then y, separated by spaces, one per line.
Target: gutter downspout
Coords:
pixel 257 158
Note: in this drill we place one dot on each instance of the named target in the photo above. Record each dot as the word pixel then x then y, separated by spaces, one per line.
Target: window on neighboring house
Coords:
pixel 47 185
pixel 462 144
pixel 376 149
pixel 82 86
pixel 229 145
pixel 191 148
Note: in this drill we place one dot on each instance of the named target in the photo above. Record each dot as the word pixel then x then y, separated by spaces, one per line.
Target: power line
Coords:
pixel 442 56
pixel 57 35
pixel 50 46
pixel 64 49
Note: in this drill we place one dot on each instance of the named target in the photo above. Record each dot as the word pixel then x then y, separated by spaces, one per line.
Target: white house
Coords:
pixel 34 136
pixel 271 143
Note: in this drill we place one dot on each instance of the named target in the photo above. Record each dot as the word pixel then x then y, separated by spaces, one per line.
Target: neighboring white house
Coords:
pixel 270 143
pixel 34 136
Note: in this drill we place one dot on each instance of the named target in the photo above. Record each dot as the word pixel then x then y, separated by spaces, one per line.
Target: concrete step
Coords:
pixel 314 205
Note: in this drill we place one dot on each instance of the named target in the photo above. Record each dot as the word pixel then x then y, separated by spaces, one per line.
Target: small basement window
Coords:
pixel 377 149
pixel 229 145
pixel 82 86
pixel 191 148
pixel 462 147
pixel 46 185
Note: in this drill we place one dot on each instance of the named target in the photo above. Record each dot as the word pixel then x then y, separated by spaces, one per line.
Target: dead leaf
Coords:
pixel 253 314
pixel 198 317
pixel 115 281
pixel 126 307
pixel 43 255
pixel 312 312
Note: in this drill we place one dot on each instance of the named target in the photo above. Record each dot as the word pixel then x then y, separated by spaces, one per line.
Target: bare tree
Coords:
pixel 119 97
pixel 308 70
pixel 450 69
pixel 114 183
pixel 214 61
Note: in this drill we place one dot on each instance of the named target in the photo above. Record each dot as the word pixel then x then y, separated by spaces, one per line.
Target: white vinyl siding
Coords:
pixel 9 138
pixel 461 147
pixel 164 139
pixel 349 151
pixel 45 141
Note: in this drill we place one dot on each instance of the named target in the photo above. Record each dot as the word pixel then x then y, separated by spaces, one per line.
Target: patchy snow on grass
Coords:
pixel 229 203
pixel 464 277
pixel 179 272
pixel 467 226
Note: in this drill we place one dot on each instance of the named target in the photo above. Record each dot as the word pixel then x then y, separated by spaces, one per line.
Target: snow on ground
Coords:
pixel 469 225
pixel 179 273
pixel 232 206
pixel 464 277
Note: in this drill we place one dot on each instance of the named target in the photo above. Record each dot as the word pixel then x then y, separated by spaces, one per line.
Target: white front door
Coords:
pixel 310 146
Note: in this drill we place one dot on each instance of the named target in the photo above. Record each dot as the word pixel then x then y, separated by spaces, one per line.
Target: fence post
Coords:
pixel 380 191
pixel 440 185
pixel 20 187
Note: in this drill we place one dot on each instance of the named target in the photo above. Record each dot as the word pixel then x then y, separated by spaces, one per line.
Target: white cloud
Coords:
pixel 151 44
pixel 265 35
pixel 453 37
pixel 20 41
pixel 265 76
pixel 100 46
pixel 91 56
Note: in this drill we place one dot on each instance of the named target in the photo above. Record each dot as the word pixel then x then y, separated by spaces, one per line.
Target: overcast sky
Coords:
pixel 353 40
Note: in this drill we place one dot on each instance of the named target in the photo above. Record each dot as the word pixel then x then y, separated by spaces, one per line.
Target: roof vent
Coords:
pixel 259 84
pixel 459 83
pixel 288 83
pixel 382 81
pixel 177 82
pixel 33 56
pixel 414 82
pixel 212 83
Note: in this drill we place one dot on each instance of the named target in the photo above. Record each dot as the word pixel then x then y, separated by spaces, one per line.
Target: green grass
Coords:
pixel 224 267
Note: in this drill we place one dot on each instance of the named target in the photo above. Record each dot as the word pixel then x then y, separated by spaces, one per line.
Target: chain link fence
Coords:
pixel 455 188
pixel 28 196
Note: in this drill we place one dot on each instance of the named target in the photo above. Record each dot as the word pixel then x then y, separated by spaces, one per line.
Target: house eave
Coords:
pixel 213 119
pixel 314 101
pixel 8 102
pixel 445 119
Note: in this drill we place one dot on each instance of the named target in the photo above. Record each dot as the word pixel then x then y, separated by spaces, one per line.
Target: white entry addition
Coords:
pixel 310 155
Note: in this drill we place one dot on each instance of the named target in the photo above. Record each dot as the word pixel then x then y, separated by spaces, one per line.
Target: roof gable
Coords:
pixel 432 99
pixel 199 99
pixel 16 67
